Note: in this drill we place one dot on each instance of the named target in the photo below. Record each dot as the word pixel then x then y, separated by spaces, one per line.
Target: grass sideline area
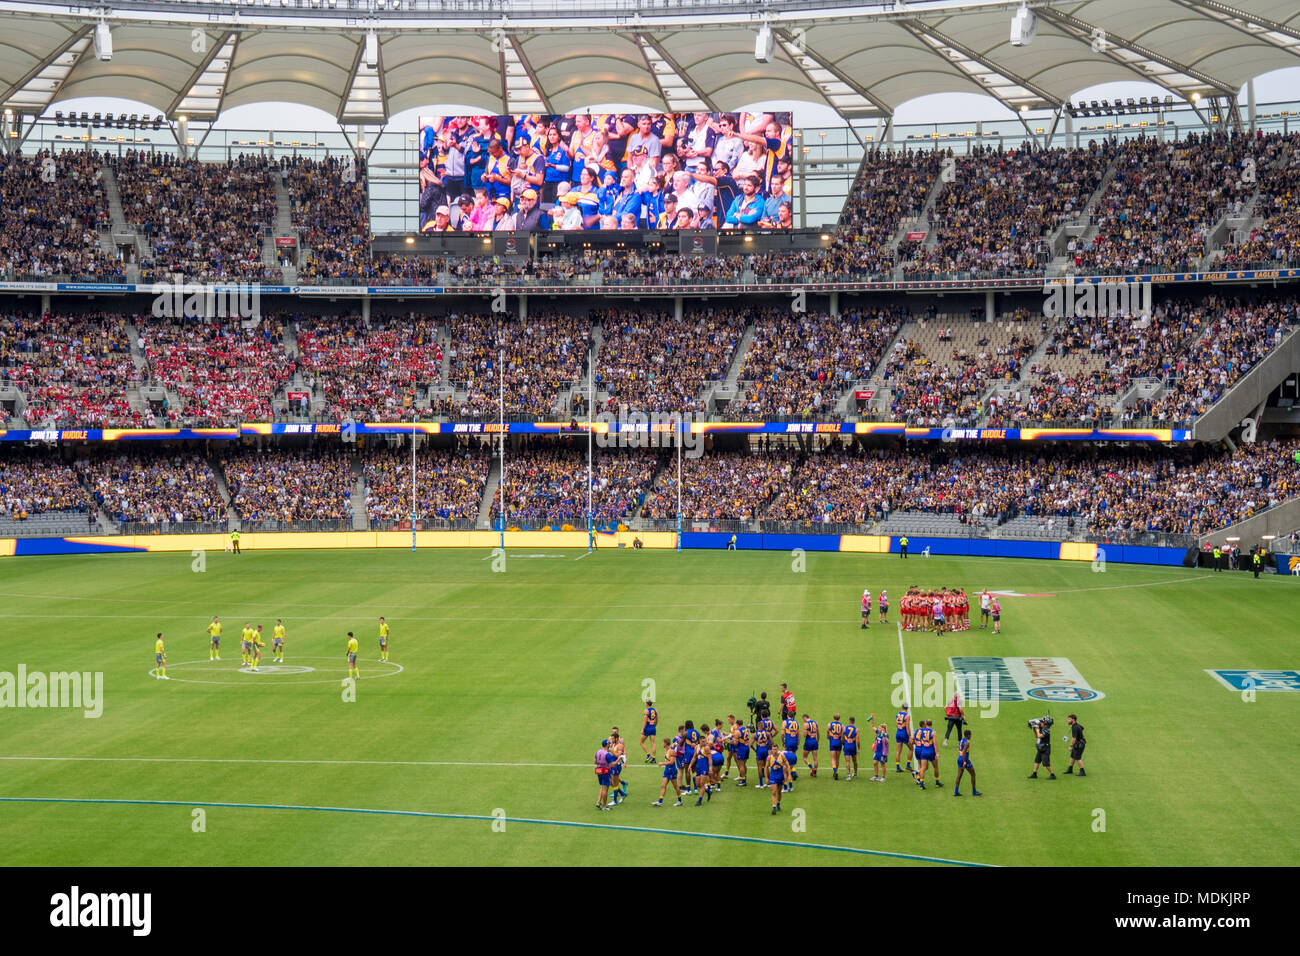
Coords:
pixel 503 684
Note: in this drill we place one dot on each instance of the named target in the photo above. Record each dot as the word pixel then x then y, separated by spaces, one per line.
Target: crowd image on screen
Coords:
pixel 530 173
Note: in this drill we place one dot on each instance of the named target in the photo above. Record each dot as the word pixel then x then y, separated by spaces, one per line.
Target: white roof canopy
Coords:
pixel 198 58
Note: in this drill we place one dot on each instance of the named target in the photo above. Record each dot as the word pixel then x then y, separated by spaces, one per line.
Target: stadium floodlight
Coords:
pixel 763 46
pixel 1024 27
pixel 372 49
pixel 103 41
pixel 1196 97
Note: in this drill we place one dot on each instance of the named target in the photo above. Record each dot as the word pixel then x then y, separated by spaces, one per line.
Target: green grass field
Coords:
pixel 509 680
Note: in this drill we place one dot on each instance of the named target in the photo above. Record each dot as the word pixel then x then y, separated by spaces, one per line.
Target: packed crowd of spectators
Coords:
pixel 36 482
pixel 1092 360
pixel 330 204
pixel 948 383
pixel 994 217
pixel 73 369
pixel 1234 337
pixel 889 188
pixel 1276 240
pixel 1099 491
pixel 154 489
pixel 284 485
pixel 1156 213
pixel 723 486
pixel 369 371
pixel 799 365
pixel 206 221
pixel 546 486
pixel 223 373
pixel 652 362
pixel 543 354
pixel 449 483
pixel 54 211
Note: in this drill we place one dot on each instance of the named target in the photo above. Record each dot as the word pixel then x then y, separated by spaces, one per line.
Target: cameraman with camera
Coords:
pixel 1077 743
pixel 1042 728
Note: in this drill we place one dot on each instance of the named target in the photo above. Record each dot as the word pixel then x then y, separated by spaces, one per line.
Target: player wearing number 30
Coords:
pixel 352 656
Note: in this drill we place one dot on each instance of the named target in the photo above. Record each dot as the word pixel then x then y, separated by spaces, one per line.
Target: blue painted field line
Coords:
pixel 489 819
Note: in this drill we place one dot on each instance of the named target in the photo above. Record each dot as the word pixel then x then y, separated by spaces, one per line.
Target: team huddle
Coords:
pixel 251 644
pixel 941 610
pixel 696 760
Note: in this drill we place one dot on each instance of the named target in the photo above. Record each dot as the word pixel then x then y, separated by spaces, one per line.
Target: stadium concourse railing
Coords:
pixel 488 284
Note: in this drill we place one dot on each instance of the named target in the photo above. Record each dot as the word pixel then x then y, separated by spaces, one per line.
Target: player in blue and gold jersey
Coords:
pixel 717 747
pixel 964 765
pixel 880 753
pixel 811 734
pixel 835 743
pixel 790 733
pixel 691 740
pixel 762 749
pixel 703 768
pixel 778 773
pixel 851 749
pixel 648 721
pixel 741 740
pixel 903 736
pixel 669 776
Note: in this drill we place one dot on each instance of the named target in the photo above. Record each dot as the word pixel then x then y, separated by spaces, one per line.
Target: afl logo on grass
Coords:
pixel 1052 679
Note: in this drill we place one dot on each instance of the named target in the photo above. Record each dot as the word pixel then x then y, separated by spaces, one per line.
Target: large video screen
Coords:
pixel 606 171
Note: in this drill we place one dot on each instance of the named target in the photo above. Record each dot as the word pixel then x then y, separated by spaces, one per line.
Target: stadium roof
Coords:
pixel 196 58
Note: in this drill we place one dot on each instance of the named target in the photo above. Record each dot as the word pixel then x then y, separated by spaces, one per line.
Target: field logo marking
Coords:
pixel 1051 679
pixel 55 690
pixel 1243 681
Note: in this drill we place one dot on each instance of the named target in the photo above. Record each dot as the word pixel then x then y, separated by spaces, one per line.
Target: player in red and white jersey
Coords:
pixel 866 608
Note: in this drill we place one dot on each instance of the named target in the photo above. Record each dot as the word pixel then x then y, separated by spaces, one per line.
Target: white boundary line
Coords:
pixel 907 688
pixel 309 762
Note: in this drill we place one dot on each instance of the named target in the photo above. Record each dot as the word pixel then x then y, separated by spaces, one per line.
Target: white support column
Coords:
pixel 1250 105
pixel 45 303
pixel 989 312
pixel 677 307
pixel 835 303
pixel 523 307
pixel 365 309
